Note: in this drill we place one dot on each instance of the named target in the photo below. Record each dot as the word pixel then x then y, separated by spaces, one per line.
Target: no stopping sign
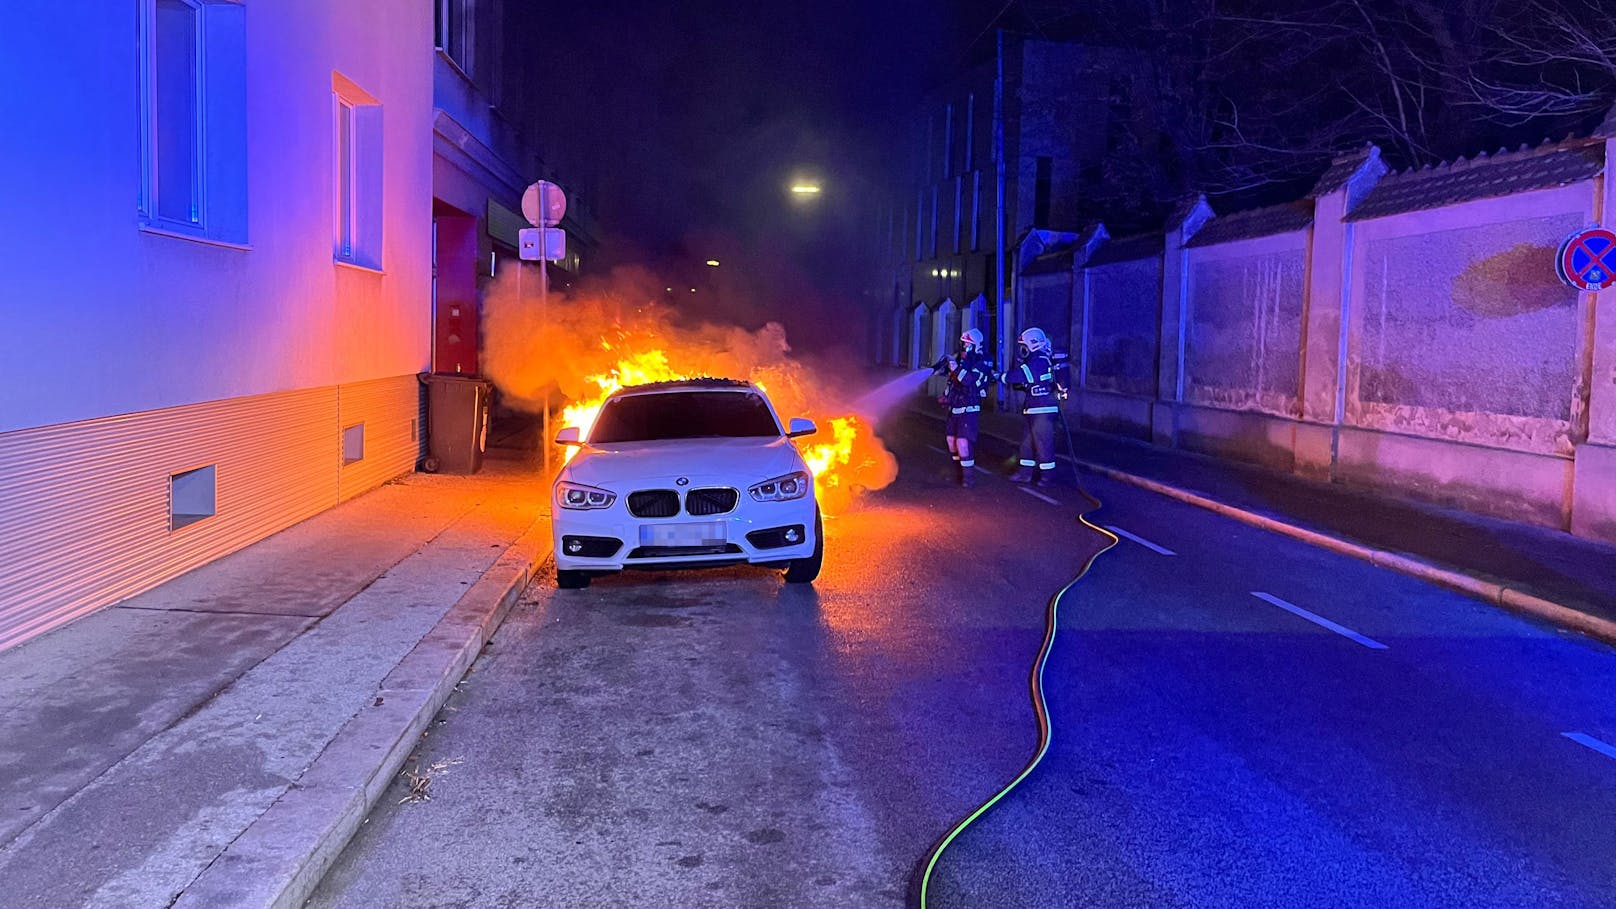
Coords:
pixel 1587 259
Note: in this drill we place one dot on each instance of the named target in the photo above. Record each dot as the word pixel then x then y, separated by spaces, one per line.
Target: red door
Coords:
pixel 454 306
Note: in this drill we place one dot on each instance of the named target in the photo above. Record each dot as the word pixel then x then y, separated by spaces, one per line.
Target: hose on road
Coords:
pixel 1040 706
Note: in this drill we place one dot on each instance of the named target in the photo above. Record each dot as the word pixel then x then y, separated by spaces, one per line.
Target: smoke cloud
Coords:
pixel 623 326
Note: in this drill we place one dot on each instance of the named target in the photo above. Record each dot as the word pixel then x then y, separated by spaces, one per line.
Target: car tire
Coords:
pixel 803 571
pixel 572 580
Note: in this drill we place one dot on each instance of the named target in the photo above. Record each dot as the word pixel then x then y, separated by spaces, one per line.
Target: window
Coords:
pixel 959 209
pixel 1119 113
pixel 193 126
pixel 976 209
pixel 453 31
pixel 1040 194
pixel 191 496
pixel 970 131
pixel 357 177
pixel 684 415
pixel 920 218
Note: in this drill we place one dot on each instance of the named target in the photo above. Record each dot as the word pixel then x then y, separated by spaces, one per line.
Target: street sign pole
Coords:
pixel 544 320
pixel 544 205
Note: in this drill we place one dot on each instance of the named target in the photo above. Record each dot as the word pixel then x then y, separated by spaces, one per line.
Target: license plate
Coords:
pixel 704 534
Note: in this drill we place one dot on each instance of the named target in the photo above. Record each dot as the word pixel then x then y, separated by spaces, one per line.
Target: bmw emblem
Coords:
pixel 683 481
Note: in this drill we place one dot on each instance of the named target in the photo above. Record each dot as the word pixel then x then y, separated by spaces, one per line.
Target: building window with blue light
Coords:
pixel 452 31
pixel 357 178
pixel 193 121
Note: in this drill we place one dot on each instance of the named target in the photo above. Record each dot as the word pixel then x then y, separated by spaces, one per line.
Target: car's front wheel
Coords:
pixel 802 571
pixel 572 580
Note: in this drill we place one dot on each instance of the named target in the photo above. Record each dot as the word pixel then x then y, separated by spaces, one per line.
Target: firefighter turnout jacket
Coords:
pixel 968 382
pixel 1035 375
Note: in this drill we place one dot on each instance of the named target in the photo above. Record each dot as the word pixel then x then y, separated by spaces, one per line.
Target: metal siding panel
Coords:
pixel 386 407
pixel 84 512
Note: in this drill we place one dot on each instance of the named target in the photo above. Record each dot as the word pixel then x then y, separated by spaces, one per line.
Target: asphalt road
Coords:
pixel 719 739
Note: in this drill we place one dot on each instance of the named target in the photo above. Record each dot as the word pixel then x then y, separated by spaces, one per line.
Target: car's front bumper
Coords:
pixel 747 532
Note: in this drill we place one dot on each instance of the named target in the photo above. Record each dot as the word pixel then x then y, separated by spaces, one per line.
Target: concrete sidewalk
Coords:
pixel 1552 575
pixel 216 740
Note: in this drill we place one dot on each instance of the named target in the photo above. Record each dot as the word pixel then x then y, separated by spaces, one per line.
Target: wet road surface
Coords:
pixel 1239 720
pixel 721 739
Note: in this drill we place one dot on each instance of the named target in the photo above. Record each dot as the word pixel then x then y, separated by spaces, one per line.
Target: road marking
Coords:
pixel 1342 630
pixel 939 450
pixel 1588 741
pixel 1037 495
pixel 1140 540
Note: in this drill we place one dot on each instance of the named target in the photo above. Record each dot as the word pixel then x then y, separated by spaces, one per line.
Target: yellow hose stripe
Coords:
pixel 1040 707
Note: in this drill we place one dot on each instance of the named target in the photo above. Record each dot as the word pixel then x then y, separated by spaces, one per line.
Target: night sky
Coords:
pixel 698 114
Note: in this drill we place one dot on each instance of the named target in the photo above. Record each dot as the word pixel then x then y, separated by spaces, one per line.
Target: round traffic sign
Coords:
pixel 544 204
pixel 1587 259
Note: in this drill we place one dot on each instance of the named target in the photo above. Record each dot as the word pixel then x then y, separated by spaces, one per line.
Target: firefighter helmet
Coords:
pixel 972 339
pixel 1034 340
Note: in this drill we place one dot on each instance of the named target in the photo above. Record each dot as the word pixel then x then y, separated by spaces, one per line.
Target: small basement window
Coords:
pixel 353 443
pixel 191 496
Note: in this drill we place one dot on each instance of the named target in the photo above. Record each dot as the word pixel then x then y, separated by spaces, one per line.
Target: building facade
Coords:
pixel 486 141
pixel 222 290
pixel 940 236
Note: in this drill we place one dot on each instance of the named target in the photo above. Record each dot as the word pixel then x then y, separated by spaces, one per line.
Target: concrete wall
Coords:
pixel 1461 330
pixel 1123 338
pixel 1430 353
pixel 1242 347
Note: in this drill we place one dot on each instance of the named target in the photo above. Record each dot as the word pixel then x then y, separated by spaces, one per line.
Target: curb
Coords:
pixel 280 858
pixel 1490 592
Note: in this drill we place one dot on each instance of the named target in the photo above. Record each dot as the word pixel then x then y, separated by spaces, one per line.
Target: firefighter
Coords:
pixel 969 374
pixel 1034 375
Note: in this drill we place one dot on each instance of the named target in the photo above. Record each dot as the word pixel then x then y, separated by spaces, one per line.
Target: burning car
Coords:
pixel 694 473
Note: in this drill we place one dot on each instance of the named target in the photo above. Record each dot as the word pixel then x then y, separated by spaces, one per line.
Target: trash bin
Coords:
pixel 457 422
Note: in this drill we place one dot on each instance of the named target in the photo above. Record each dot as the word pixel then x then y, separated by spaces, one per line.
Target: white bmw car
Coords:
pixel 696 473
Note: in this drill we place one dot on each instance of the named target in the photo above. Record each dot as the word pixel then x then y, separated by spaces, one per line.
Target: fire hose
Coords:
pixel 1040 706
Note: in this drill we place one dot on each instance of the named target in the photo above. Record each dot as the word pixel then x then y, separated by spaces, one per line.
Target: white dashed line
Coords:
pixel 1140 540
pixel 1319 620
pixel 1037 495
pixel 1588 741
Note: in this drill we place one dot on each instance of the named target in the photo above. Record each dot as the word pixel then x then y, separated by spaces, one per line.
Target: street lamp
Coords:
pixel 805 188
pixel 712 263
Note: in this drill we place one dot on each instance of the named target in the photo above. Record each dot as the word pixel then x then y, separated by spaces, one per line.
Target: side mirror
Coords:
pixel 801 427
pixel 568 435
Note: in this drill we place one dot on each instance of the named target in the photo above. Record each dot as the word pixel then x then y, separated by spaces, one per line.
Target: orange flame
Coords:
pixel 589 343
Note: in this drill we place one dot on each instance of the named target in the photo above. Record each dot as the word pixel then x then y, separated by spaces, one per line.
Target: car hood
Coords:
pixel 733 462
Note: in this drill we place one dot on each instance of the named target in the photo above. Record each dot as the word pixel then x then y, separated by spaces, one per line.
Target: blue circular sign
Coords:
pixel 1587 259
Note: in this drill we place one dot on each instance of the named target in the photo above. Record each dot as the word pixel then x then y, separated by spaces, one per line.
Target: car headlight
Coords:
pixel 782 489
pixel 579 497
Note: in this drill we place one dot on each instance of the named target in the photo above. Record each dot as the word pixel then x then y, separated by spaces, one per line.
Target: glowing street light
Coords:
pixel 712 263
pixel 805 189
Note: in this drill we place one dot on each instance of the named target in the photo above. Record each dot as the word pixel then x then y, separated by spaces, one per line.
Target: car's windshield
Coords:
pixel 684 415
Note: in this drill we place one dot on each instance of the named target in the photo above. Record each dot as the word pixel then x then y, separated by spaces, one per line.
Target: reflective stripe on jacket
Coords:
pixel 1036 376
pixel 968 382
